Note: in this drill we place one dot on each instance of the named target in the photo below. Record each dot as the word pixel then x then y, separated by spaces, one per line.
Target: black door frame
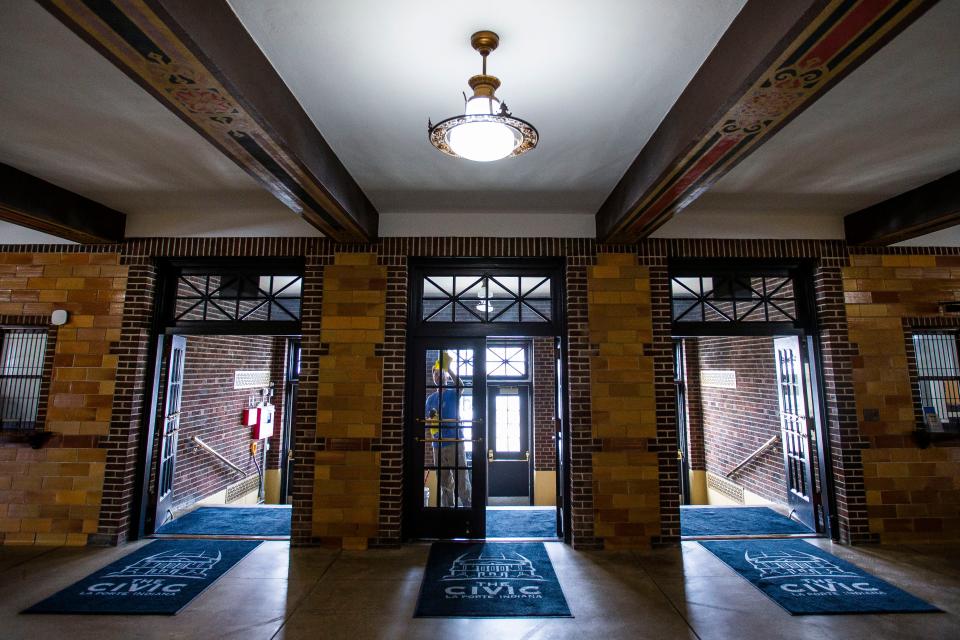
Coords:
pixel 806 327
pixel 557 328
pixel 290 390
pixel 526 408
pixel 455 522
pixel 162 326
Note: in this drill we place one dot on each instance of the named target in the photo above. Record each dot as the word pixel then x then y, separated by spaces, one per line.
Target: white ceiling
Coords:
pixel 892 125
pixel 72 118
pixel 595 78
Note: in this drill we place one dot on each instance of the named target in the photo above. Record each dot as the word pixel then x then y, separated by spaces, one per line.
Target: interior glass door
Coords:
pixel 446 436
pixel 795 425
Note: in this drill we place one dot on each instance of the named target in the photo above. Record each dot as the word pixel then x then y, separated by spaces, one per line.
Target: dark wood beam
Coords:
pixel 932 207
pixel 36 204
pixel 775 60
pixel 199 61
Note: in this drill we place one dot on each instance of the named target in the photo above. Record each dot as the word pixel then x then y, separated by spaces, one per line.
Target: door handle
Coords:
pixel 490 458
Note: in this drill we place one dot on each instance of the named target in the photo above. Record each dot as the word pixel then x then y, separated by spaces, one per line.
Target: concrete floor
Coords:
pixel 278 592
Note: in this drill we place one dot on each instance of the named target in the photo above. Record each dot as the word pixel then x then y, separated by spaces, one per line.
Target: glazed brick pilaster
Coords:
pixel 912 493
pixel 350 400
pixel 53 495
pixel 626 470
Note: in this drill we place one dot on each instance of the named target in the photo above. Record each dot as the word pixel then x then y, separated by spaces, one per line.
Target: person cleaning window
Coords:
pixel 443 409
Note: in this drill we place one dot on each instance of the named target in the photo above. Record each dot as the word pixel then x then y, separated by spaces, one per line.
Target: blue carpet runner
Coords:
pixel 736 521
pixel 231 521
pixel 490 580
pixel 159 578
pixel 806 580
pixel 522 523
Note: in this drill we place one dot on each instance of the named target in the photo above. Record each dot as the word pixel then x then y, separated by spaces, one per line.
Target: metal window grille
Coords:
pixel 479 298
pixel 734 297
pixel 237 297
pixel 22 353
pixel 938 377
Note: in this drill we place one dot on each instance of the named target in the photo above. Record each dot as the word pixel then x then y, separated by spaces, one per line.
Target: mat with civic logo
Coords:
pixel 159 578
pixel 806 580
pixel 490 580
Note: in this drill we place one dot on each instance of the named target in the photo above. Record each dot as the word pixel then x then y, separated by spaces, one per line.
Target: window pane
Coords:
pixel 21 370
pixel 938 378
pixel 508 423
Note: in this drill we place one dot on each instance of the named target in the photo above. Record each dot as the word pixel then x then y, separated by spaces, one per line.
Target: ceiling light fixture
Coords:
pixel 486 131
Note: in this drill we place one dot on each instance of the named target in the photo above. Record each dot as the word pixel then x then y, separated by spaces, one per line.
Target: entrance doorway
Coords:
pixel 484 422
pixel 225 376
pixel 752 454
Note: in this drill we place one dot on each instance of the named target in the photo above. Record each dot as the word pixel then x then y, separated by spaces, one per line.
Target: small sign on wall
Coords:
pixel 718 378
pixel 251 379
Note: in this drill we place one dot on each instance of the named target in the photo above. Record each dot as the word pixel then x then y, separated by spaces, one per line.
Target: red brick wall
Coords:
pixel 211 408
pixel 544 404
pixel 738 421
pixel 695 455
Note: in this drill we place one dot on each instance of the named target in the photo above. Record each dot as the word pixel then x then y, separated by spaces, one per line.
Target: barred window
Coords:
pixel 938 378
pixel 22 352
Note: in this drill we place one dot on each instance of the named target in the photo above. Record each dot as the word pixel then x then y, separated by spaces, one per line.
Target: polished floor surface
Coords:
pixel 680 592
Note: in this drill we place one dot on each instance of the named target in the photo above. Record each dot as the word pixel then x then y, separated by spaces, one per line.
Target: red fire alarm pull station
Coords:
pixel 264 425
pixel 250 416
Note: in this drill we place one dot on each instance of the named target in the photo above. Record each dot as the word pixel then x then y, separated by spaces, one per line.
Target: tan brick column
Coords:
pixel 52 495
pixel 625 472
pixel 349 400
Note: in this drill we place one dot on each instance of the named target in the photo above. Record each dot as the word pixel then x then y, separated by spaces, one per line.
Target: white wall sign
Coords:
pixel 251 379
pixel 718 378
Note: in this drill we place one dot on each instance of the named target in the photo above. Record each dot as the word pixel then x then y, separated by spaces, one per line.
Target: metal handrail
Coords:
pixel 766 445
pixel 203 445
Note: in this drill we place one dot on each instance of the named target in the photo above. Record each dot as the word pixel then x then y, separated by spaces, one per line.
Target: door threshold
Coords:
pixel 757 536
pixel 203 536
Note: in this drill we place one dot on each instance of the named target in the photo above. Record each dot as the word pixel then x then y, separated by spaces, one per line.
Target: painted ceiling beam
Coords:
pixel 932 207
pixel 36 204
pixel 199 61
pixel 775 60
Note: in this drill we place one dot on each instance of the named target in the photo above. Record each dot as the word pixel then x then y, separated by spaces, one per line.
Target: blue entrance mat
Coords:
pixel 806 580
pixel 231 521
pixel 160 578
pixel 490 580
pixel 522 523
pixel 736 521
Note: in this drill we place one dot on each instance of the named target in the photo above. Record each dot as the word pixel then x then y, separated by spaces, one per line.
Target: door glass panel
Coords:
pixel 508 423
pixel 448 428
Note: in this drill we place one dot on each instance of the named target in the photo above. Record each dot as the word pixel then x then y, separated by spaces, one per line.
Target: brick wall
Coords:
pixel 696 458
pixel 736 422
pixel 626 488
pixel 121 445
pixel 210 410
pixel 912 493
pixel 350 401
pixel 53 495
pixel 544 404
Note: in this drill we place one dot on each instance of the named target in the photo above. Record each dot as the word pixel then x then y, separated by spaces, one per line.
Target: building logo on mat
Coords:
pixel 156 575
pixel 805 574
pixel 488 575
